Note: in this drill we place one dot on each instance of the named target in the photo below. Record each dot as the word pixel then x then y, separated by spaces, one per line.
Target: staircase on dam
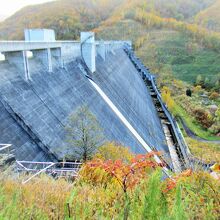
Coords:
pixel 35 110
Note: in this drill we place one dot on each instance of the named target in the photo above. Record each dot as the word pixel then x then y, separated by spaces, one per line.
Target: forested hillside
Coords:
pixel 178 9
pixel 66 17
pixel 69 17
pixel 210 18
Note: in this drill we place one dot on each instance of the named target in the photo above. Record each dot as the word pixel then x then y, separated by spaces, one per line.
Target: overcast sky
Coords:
pixel 9 7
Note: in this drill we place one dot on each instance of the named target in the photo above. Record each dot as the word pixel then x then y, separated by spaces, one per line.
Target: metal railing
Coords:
pixel 5 147
pixel 55 169
pixel 183 148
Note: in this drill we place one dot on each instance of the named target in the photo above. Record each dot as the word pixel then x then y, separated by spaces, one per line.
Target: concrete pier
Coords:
pixel 101 49
pixel 44 56
pixel 20 60
pixel 88 50
pixel 56 56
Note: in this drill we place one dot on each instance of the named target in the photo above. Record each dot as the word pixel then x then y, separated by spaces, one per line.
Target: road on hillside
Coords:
pixel 191 134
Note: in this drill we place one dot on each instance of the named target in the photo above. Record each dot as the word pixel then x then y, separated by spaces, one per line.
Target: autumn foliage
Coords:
pixel 127 175
pixel 114 190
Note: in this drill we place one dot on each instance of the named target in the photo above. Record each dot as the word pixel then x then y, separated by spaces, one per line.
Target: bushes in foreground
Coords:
pixel 99 193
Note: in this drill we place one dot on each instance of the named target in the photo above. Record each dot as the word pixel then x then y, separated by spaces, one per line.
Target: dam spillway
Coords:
pixel 34 112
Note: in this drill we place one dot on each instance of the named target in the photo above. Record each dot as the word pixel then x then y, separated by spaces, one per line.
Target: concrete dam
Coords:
pixel 39 92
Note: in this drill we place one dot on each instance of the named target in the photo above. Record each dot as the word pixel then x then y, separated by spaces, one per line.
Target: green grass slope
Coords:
pixel 181 54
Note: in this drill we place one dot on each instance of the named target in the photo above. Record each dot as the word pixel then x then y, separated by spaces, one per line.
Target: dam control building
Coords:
pixel 44 81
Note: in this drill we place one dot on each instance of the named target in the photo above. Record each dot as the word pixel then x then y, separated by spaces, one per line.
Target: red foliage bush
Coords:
pixel 126 174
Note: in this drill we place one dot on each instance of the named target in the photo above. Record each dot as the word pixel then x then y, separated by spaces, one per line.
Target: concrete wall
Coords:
pixel 7 46
pixel 49 54
pixel 70 51
pixel 122 84
pixel 42 106
pixel 46 35
pixel 45 57
pixel 59 53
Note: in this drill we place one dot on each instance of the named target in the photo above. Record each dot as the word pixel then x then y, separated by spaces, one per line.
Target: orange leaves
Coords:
pixel 186 173
pixel 215 168
pixel 171 183
pixel 126 174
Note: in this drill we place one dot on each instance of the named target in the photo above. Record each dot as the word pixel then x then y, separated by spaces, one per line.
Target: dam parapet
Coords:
pixel 54 54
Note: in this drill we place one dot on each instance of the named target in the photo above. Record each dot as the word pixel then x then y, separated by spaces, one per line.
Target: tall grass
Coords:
pixel 194 197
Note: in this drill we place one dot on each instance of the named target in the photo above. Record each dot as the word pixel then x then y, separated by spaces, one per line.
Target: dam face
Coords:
pixel 34 110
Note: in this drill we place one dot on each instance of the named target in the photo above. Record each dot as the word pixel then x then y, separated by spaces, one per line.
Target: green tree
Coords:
pixel 84 133
pixel 114 151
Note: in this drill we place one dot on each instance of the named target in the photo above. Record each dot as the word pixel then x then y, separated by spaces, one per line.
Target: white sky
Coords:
pixel 9 7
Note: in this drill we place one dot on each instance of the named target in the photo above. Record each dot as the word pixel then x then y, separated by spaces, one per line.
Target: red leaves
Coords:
pixel 171 183
pixel 127 175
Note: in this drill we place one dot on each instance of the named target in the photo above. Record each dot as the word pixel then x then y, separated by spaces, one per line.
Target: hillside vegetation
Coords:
pixel 66 17
pixel 177 50
pixel 113 188
pixel 115 184
pixel 69 17
pixel 210 17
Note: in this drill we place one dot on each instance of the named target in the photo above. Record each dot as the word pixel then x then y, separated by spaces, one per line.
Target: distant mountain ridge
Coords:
pixel 66 17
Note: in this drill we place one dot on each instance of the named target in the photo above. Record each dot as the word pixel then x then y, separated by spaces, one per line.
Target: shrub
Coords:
pixel 127 175
pixel 189 92
pixel 215 128
pixel 185 196
pixel 113 151
pixel 167 98
pixel 203 117
pixel 197 89
pixel 214 96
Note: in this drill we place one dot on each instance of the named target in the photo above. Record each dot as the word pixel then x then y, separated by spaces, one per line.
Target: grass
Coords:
pixel 182 54
pixel 207 152
pixel 194 197
pixel 194 126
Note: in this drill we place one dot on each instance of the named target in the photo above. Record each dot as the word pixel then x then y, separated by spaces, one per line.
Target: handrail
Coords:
pixel 171 120
pixel 5 146
pixel 151 78
pixel 51 167
pixel 38 173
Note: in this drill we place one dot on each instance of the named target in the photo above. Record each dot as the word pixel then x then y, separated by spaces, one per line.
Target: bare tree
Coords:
pixel 84 133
